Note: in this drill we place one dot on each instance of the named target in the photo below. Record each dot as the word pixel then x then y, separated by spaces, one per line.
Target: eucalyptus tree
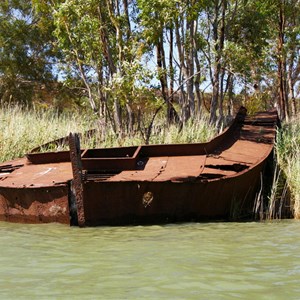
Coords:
pixel 102 44
pixel 287 23
pixel 157 19
pixel 82 55
pixel 187 42
pixel 281 24
pixel 238 39
pixel 26 52
pixel 216 12
pixel 171 28
pixel 293 55
pixel 247 46
pixel 82 41
pixel 100 48
pixel 215 26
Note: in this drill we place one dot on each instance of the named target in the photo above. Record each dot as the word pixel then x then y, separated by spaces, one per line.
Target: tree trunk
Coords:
pixel 190 67
pixel 197 85
pixel 130 119
pixel 197 80
pixel 230 97
pixel 281 72
pixel 171 71
pixel 222 40
pixel 118 117
pixel 185 109
pixel 291 87
pixel 107 52
pixel 217 68
pixel 161 64
pixel 219 38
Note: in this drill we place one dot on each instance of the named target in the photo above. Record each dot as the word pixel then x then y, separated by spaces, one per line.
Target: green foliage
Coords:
pixel 288 145
pixel 26 52
pixel 155 15
pixel 194 131
pixel 99 48
pixel 248 38
pixel 257 102
pixel 130 85
pixel 76 28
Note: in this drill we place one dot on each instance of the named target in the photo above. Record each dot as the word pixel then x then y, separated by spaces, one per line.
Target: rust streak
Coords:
pixel 75 153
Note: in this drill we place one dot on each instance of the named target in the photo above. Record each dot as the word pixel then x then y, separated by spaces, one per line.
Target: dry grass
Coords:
pixel 22 129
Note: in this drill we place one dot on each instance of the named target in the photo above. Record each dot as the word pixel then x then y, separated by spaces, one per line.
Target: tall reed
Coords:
pixel 23 129
pixel 288 156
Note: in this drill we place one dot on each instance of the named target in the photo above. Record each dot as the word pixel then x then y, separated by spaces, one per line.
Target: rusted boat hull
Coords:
pixel 119 203
pixel 35 193
pixel 218 180
pixel 35 205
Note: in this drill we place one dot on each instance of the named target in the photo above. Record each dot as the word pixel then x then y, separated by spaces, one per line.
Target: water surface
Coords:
pixel 182 261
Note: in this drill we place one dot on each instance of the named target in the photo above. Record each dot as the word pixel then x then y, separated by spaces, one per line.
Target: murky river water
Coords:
pixel 186 261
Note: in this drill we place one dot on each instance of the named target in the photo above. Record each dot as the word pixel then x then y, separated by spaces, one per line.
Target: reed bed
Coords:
pixel 288 157
pixel 22 129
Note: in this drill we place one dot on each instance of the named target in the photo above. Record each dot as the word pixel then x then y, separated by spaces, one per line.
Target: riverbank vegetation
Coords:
pixel 23 129
pixel 288 157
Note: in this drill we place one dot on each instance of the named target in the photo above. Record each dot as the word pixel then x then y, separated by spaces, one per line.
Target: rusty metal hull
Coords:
pixel 34 193
pixel 35 205
pixel 119 203
pixel 218 180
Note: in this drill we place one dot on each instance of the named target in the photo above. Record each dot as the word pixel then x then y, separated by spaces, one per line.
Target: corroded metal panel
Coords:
pixel 34 193
pixel 171 183
pixel 35 205
pixel 119 203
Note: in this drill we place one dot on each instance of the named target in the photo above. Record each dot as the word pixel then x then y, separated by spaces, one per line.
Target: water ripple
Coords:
pixel 184 261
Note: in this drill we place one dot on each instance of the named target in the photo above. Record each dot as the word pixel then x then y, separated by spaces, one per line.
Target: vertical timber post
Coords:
pixel 75 157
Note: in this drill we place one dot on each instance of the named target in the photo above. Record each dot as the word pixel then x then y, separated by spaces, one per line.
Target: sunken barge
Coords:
pixel 148 184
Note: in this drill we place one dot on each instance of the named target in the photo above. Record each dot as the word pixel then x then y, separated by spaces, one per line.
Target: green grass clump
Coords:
pixel 288 152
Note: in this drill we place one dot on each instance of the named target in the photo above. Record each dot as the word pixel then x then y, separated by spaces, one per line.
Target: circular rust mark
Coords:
pixel 147 199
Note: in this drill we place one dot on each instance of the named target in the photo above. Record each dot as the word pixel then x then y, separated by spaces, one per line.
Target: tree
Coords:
pixel 288 46
pixel 103 46
pixel 99 47
pixel 26 52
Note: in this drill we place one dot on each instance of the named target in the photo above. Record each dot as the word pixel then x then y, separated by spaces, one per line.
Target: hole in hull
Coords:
pixel 231 167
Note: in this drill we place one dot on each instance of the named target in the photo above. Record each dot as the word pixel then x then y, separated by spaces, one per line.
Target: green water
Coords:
pixel 186 261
